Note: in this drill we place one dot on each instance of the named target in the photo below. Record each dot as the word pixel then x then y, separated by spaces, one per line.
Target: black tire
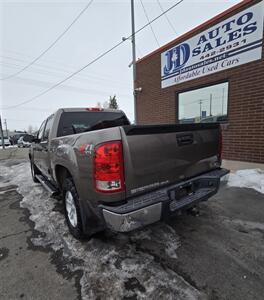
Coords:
pixel 34 171
pixel 75 229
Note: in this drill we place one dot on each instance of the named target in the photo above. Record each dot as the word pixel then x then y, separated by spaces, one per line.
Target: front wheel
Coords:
pixel 72 209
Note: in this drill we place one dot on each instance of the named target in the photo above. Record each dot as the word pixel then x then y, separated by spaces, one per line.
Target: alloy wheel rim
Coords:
pixel 71 209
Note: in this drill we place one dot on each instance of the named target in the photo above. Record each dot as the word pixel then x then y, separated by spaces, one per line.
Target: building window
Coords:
pixel 204 105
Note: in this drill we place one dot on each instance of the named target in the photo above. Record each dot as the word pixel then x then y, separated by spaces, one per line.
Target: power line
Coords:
pixel 55 66
pixel 54 73
pixel 94 60
pixel 67 78
pixel 202 100
pixel 153 32
pixel 167 18
pixel 57 71
pixel 52 64
pixel 52 44
pixel 44 84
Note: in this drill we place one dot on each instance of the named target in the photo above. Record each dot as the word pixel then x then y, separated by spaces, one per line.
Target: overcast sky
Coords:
pixel 29 27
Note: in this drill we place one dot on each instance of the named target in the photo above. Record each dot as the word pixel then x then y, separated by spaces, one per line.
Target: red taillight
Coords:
pixel 94 109
pixel 109 167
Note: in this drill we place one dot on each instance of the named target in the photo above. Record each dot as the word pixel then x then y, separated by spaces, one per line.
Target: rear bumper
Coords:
pixel 161 204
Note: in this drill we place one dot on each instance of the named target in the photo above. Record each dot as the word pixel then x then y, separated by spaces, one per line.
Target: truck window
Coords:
pixel 41 130
pixel 84 121
pixel 47 128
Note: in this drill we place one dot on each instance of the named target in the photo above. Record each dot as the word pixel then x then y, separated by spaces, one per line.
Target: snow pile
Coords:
pixel 253 179
pixel 113 266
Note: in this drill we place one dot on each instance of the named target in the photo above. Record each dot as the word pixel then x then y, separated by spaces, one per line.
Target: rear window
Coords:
pixel 84 121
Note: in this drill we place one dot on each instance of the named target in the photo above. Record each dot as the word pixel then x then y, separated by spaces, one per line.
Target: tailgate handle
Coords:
pixel 184 139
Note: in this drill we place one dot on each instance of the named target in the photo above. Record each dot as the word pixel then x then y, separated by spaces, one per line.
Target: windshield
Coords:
pixel 83 121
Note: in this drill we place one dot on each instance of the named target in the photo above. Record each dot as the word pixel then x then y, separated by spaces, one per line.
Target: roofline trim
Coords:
pixel 201 26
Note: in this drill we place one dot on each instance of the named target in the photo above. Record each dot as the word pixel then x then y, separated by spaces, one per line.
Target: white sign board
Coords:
pixel 233 42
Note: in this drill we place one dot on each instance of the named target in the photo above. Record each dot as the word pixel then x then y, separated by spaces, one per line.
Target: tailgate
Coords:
pixel 159 155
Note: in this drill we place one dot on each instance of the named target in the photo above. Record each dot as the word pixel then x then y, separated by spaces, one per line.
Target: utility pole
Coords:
pixel 6 128
pixel 133 41
pixel 1 132
pixel 211 97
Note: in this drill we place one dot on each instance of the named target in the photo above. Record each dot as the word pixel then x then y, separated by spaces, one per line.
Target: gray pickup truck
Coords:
pixel 115 175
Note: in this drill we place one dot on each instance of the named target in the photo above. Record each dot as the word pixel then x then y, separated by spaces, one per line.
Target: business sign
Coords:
pixel 233 42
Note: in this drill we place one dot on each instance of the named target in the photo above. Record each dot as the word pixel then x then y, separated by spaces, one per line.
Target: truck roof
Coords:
pixel 74 109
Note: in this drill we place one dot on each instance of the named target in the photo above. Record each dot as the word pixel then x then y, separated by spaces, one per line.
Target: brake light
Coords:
pixel 94 109
pixel 109 167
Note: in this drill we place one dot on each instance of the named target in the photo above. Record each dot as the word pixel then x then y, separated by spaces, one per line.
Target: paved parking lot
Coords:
pixel 218 254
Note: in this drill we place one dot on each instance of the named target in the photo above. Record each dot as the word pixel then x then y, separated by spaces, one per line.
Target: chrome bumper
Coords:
pixel 132 220
pixel 157 205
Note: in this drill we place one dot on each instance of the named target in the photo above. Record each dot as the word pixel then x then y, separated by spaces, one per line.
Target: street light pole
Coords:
pixel 2 134
pixel 133 41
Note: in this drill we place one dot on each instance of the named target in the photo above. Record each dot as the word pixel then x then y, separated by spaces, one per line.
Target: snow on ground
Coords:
pixel 8 147
pixel 113 266
pixel 253 179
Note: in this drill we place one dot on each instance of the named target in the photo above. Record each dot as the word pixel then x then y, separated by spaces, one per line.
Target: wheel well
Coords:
pixel 61 173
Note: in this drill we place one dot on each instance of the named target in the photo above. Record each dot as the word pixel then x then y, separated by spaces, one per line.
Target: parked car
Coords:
pixel 214 119
pixel 14 138
pixel 6 141
pixel 25 141
pixel 119 176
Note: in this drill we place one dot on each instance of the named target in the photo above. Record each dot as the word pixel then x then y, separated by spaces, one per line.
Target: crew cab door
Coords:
pixel 45 144
pixel 38 147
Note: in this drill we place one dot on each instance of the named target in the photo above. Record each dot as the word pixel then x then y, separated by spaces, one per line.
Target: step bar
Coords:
pixel 47 185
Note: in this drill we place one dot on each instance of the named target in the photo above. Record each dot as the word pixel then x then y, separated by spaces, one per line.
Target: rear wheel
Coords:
pixel 34 171
pixel 72 209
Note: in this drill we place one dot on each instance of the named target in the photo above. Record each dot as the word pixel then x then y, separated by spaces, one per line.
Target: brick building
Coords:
pixel 214 73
